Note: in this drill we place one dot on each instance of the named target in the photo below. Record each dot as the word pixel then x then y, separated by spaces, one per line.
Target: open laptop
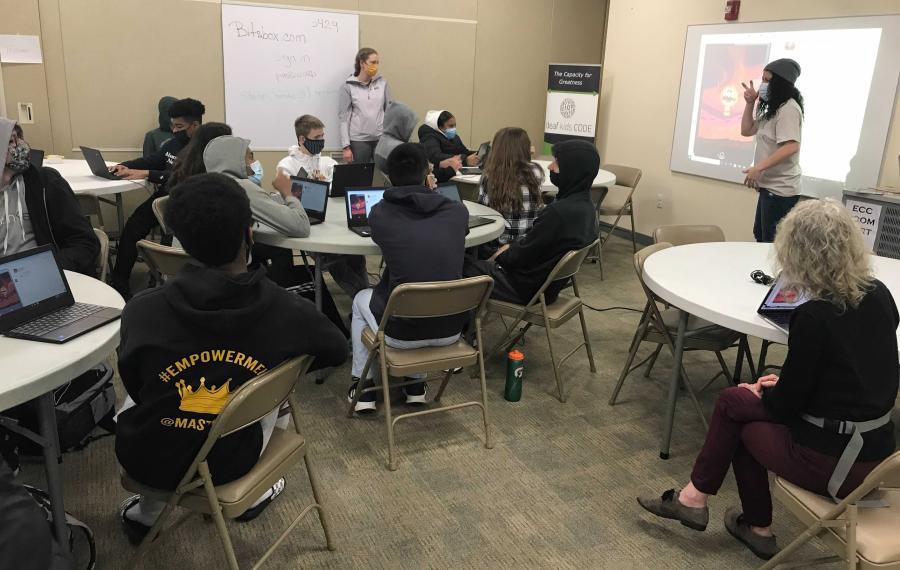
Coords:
pixel 779 303
pixel 97 164
pixel 355 175
pixel 36 157
pixel 359 204
pixel 313 195
pixel 450 190
pixel 482 153
pixel 37 304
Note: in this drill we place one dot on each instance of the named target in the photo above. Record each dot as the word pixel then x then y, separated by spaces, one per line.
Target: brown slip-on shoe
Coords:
pixel 668 507
pixel 763 546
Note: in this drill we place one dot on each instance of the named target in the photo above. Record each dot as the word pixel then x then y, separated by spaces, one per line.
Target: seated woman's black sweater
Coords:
pixel 841 365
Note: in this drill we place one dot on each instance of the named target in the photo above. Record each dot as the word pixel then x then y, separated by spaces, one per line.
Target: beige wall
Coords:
pixel 107 62
pixel 642 73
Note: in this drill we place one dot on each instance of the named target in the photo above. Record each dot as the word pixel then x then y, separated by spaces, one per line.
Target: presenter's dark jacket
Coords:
pixel 438 147
pixel 840 365
pixel 188 344
pixel 422 236
pixel 569 223
pixel 56 218
pixel 160 163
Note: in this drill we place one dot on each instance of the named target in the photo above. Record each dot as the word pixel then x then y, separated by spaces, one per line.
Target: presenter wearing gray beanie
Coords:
pixel 777 124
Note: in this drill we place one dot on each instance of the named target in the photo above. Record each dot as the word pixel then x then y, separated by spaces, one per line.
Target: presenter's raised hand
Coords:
pixel 750 93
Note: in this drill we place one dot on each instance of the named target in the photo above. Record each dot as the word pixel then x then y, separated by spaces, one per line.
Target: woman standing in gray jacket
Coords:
pixel 363 98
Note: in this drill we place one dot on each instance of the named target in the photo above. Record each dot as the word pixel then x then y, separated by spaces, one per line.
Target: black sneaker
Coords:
pixel 366 401
pixel 134 531
pixel 253 512
pixel 415 393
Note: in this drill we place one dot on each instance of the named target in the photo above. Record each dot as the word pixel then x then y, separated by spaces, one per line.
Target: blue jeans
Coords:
pixel 770 208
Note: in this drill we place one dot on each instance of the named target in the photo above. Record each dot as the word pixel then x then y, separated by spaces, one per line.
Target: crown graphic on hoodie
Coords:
pixel 203 400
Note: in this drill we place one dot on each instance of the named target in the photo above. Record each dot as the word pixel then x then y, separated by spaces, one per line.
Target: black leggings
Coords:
pixel 138 226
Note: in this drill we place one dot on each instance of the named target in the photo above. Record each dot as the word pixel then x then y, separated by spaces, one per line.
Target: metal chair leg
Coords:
pixel 633 229
pixel 673 387
pixel 217 516
pixel 317 496
pixel 488 436
pixel 385 385
pixel 632 352
pixel 652 361
pixel 559 386
pixel 440 392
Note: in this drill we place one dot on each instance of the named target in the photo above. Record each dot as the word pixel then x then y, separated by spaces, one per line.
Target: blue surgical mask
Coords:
pixel 764 91
pixel 450 133
pixel 257 175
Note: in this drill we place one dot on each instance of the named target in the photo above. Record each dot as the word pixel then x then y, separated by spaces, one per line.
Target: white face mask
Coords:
pixel 764 91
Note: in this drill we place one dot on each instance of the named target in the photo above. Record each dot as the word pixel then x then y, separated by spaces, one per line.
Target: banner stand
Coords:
pixel 573 92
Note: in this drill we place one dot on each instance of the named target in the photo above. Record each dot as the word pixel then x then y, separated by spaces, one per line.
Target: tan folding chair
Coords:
pixel 622 204
pixel 552 316
pixel 159 210
pixel 864 538
pixel 102 265
pixel 164 261
pixel 660 327
pixel 196 492
pixel 422 301
pixel 687 234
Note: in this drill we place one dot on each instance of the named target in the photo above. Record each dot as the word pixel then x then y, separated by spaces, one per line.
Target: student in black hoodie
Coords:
pixel 38 207
pixel 443 146
pixel 208 330
pixel 186 116
pixel 569 223
pixel 422 236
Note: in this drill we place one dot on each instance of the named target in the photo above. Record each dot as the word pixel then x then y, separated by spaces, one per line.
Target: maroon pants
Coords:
pixel 743 434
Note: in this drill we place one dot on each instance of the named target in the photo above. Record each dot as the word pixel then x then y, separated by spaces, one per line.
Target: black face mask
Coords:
pixel 554 178
pixel 181 136
pixel 314 146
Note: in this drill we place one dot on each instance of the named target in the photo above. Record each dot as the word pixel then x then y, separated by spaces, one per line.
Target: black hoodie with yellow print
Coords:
pixel 186 346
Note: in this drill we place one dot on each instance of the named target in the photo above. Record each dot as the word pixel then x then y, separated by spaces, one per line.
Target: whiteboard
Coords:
pixel 281 63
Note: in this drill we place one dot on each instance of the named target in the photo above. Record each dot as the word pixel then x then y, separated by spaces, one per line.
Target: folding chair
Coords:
pixel 163 261
pixel 159 210
pixel 537 312
pixel 628 178
pixel 422 301
pixel 196 492
pixel 864 538
pixel 102 265
pixel 660 326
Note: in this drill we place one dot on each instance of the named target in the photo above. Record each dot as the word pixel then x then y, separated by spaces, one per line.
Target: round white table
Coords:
pixel 712 281
pixel 603 178
pixel 79 176
pixel 32 370
pixel 333 236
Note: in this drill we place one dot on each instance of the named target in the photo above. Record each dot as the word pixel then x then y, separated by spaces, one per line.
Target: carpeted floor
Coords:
pixel 557 491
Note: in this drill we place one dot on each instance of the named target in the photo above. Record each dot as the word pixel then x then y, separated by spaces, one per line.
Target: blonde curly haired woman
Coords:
pixel 841 365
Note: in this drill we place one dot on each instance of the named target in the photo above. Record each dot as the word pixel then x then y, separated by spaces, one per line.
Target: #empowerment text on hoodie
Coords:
pixel 228 155
pixel 186 346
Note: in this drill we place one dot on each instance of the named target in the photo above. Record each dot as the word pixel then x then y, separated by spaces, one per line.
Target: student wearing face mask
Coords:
pixel 777 125
pixel 306 154
pixel 445 149
pixel 364 96
pixel 186 116
pixel 38 207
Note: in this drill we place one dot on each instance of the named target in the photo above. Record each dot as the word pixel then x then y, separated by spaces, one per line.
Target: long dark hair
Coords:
pixel 509 168
pixel 780 91
pixel 190 159
pixel 361 56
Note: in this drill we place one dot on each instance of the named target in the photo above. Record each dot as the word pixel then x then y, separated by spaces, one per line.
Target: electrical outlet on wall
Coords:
pixel 659 201
pixel 26 113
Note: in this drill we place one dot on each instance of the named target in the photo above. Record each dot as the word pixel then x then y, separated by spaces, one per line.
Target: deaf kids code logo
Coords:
pixel 567 108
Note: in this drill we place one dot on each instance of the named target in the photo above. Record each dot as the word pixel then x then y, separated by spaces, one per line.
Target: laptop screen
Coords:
pixel 782 298
pixel 29 280
pixel 360 202
pixel 312 194
pixel 449 191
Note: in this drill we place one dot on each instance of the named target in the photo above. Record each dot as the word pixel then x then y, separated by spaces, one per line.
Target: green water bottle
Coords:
pixel 515 369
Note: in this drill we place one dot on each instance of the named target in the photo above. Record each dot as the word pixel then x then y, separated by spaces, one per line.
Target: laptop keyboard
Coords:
pixel 780 319
pixel 57 319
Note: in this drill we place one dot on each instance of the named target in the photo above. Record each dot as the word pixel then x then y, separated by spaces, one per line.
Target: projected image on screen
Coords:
pixel 849 71
pixel 718 130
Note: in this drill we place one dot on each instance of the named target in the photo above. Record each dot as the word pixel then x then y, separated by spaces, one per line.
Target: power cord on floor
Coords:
pixel 603 310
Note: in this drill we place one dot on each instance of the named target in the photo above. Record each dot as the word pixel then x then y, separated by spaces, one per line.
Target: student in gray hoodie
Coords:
pixel 399 122
pixel 283 212
pixel 362 102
